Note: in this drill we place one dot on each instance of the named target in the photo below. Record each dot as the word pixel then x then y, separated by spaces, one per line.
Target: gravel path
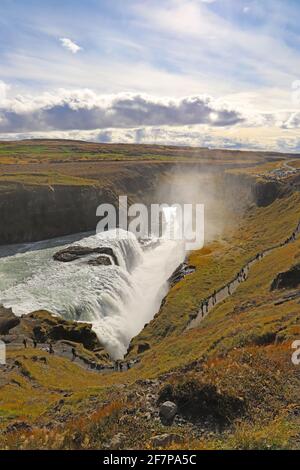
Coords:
pixel 209 303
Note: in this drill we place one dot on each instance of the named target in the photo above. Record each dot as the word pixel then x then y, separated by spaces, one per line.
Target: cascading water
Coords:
pixel 117 300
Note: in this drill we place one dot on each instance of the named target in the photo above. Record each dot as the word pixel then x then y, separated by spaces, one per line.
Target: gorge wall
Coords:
pixel 31 213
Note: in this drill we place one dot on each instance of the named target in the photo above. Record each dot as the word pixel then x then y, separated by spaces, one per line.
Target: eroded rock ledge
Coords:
pixel 75 252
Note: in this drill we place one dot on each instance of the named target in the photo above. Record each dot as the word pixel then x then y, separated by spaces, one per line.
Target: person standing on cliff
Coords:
pixel 25 343
pixel 73 354
pixel 202 307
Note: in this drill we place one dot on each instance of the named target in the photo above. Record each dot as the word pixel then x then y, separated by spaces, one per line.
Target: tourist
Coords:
pixel 74 355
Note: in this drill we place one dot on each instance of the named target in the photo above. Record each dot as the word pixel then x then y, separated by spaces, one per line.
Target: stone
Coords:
pixel 18 426
pixel 167 411
pixel 117 441
pixel 166 440
pixel 100 261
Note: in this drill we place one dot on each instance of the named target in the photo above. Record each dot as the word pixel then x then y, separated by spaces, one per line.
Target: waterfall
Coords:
pixel 116 300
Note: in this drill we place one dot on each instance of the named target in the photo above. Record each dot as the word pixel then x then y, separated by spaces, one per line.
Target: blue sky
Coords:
pixel 222 73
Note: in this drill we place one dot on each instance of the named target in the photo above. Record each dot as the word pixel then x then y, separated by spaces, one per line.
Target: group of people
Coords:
pixel 35 344
pixel 204 307
pixel 292 238
pixel 25 342
pixel 119 366
pixel 240 277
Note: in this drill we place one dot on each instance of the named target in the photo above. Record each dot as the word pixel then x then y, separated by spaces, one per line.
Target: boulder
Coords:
pixel 167 411
pixel 166 440
pixel 7 320
pixel 100 261
pixel 287 280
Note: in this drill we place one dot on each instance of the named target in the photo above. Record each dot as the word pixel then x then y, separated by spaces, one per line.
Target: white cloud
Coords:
pixel 70 45
pixel 3 91
pixel 194 136
pixel 292 121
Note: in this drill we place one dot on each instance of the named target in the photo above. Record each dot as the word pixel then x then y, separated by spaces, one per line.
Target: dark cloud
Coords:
pixel 86 111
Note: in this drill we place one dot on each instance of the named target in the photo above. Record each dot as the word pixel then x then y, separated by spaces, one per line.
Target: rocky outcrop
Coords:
pixel 46 327
pixel 75 252
pixel 142 347
pixel 197 401
pixel 287 280
pixel 180 273
pixel 265 192
pixel 7 321
pixel 43 327
pixel 33 212
pixel 36 212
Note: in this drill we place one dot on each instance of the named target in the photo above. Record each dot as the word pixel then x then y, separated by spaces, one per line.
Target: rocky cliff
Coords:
pixel 31 213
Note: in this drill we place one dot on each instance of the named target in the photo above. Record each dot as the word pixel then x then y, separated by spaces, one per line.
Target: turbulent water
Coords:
pixel 117 300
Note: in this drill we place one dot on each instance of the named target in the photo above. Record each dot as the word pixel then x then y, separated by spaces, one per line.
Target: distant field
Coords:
pixel 74 163
pixel 24 152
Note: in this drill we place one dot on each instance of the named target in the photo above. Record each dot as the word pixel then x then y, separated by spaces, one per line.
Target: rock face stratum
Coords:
pixel 287 280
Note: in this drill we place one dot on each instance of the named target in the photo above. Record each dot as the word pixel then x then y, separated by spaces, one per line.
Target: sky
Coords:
pixel 208 73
